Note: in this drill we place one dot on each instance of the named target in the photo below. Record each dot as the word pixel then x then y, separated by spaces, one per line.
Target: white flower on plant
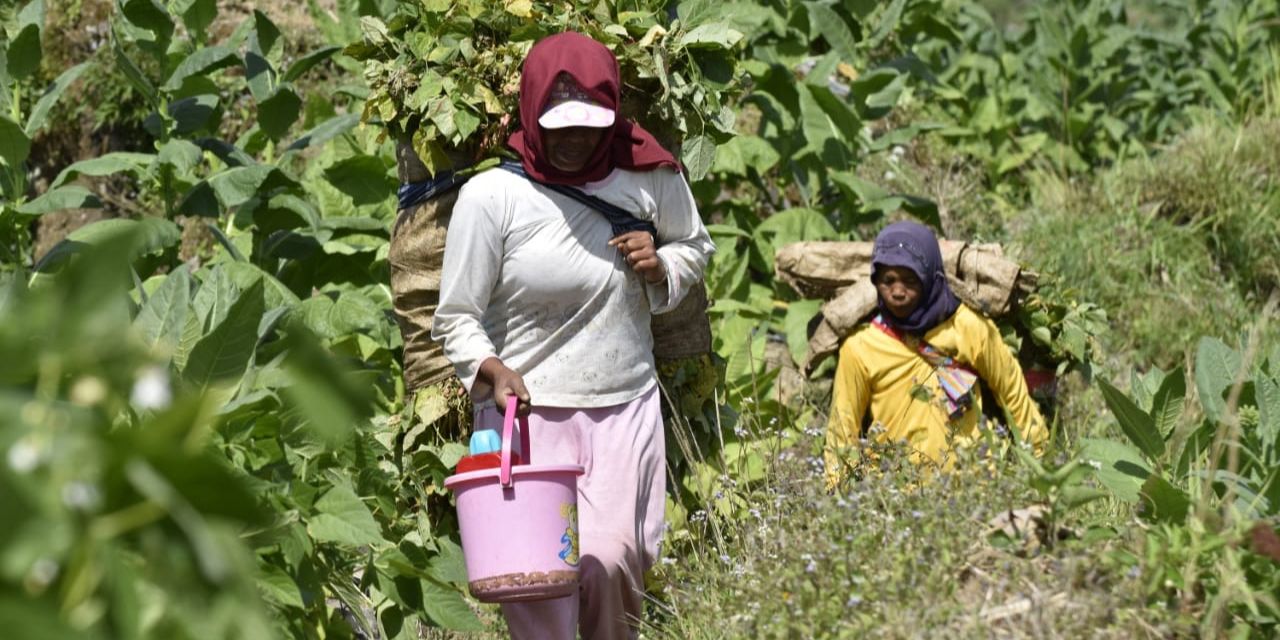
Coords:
pixel 88 391
pixel 81 496
pixel 889 176
pixel 24 457
pixel 43 572
pixel 151 390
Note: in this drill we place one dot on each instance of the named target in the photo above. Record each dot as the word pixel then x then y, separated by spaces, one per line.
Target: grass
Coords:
pixel 1174 247
pixel 896 554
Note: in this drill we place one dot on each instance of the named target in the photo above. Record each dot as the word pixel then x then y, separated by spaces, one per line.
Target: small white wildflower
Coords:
pixel 24 457
pixel 43 572
pixel 889 175
pixel 151 390
pixel 88 391
pixel 853 601
pixel 668 561
pixel 724 558
pixel 898 151
pixel 81 496
pixel 1095 464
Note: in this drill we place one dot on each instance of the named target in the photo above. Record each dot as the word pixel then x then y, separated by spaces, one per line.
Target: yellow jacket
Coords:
pixel 879 372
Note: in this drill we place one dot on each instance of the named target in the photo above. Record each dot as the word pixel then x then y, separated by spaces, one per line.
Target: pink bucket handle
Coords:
pixel 508 423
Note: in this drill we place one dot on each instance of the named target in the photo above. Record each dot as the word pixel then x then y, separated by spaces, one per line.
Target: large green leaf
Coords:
pixel 147 235
pixel 305 63
pixel 887 24
pixel 844 119
pixel 799 314
pixel 326 131
pixel 150 15
pixel 237 185
pixel 342 518
pixel 822 136
pixel 786 227
pixel 1163 502
pixel 197 15
pixel 363 177
pixel 349 313
pixel 243 274
pixel 40 112
pixel 715 35
pixel 745 152
pixel 225 352
pixel 1216 368
pixel 15 145
pixel 1166 404
pixel 447 608
pixel 1135 423
pixel 132 73
pixel 194 113
pixel 112 163
pixel 214 298
pixel 182 156
pixel 24 52
pixel 202 62
pixel 834 29
pixel 72 197
pixel 164 316
pixel 698 154
pixel 279 111
pixel 279 586
pixel 1117 466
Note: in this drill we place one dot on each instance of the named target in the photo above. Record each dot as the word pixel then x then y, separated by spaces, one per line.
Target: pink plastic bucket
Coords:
pixel 519 525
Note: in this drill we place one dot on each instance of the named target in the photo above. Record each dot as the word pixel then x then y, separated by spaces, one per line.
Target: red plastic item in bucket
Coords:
pixel 491 460
pixel 541 561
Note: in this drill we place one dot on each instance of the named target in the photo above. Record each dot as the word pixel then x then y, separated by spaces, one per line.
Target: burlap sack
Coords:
pixel 979 275
pixel 417 254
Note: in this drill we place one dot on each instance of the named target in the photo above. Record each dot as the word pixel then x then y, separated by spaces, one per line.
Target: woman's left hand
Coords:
pixel 638 250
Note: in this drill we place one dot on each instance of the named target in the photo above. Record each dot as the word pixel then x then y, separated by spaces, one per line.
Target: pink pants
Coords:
pixel 621 498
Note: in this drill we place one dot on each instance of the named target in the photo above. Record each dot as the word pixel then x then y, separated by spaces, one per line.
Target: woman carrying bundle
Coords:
pixel 917 365
pixel 546 300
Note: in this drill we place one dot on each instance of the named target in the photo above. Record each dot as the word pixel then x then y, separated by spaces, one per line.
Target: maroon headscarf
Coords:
pixel 594 68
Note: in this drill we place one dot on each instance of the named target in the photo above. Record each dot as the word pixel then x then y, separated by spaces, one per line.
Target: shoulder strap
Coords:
pixel 620 219
pixel 932 355
pixel 415 193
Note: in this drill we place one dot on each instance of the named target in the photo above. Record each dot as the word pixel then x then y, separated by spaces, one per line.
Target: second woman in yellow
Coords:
pixel 917 366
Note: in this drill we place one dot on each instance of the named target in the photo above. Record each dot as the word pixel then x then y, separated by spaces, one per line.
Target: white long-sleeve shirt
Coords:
pixel 529 277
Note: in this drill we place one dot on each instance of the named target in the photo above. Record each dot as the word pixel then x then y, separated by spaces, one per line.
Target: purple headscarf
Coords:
pixel 913 245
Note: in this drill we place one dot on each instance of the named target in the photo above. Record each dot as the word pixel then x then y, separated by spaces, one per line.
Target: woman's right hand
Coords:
pixel 506 383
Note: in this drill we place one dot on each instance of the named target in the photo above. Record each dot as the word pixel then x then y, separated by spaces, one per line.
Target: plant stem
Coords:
pixel 1231 419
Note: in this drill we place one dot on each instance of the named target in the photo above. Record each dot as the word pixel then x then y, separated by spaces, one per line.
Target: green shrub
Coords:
pixel 1158 243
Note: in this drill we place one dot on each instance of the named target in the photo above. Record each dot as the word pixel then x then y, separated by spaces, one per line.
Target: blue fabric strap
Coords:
pixel 619 219
pixel 416 193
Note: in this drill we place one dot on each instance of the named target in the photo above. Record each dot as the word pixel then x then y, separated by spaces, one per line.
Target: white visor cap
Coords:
pixel 570 106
